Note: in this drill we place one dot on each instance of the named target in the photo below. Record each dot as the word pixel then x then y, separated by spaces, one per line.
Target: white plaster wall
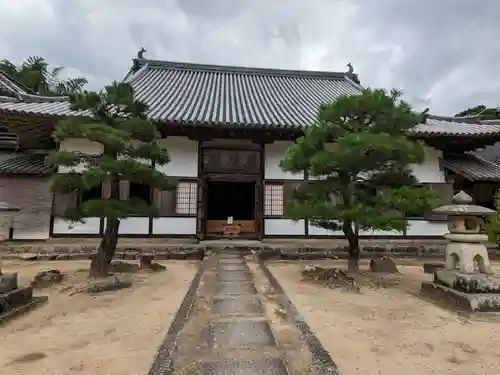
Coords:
pixel 284 227
pixel 35 233
pixel 274 153
pixel 183 157
pixel 415 228
pixel 82 145
pixel 89 226
pixel 133 225
pixel 429 171
pixel 174 225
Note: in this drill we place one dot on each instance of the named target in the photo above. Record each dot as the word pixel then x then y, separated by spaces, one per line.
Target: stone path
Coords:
pixel 232 327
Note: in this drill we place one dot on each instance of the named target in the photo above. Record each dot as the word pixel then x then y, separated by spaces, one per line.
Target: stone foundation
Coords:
pixel 286 249
pixel 467 302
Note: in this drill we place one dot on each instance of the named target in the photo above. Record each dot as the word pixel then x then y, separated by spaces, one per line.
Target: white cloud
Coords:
pixel 443 54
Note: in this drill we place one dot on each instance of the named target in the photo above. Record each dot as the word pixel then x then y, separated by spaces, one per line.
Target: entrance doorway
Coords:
pixel 230 204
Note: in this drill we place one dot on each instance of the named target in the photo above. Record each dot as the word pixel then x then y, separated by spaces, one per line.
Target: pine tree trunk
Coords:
pixel 354 250
pixel 101 260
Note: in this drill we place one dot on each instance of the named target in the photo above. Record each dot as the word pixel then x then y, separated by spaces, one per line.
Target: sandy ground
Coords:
pixel 113 333
pixel 390 330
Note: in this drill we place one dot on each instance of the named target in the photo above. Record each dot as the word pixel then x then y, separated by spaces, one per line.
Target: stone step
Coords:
pixel 234 288
pixel 239 334
pixel 244 367
pixel 238 305
pixel 233 276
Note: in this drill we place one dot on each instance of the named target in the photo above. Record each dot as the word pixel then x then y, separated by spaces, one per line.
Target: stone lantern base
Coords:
pixel 476 293
pixel 464 256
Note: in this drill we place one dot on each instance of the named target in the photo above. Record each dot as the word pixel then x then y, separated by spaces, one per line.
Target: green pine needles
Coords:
pixel 358 158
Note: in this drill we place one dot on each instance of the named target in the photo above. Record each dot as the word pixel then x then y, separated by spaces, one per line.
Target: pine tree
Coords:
pixel 358 157
pixel 114 119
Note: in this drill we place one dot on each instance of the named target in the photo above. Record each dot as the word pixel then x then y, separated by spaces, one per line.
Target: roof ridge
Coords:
pixel 163 64
pixel 26 95
pixel 465 119
pixel 16 82
pixel 491 122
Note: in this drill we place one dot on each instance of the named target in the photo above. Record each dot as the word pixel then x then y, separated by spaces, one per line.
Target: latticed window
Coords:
pixel 185 202
pixel 273 200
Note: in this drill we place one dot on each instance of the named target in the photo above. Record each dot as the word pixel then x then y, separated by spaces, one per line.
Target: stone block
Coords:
pixel 114 282
pixel 8 282
pixel 177 255
pixel 457 300
pixel 234 288
pixel 245 367
pixel 383 264
pixel 240 334
pixel 231 261
pixel 233 276
pixel 46 278
pixel 468 282
pixel 241 305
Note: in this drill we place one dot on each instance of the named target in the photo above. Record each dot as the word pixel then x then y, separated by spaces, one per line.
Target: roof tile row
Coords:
pixel 194 94
pixel 29 163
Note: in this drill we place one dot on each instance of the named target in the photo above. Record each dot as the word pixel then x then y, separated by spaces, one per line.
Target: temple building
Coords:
pixel 226 129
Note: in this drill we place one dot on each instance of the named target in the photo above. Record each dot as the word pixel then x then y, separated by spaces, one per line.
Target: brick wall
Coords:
pixel 32 195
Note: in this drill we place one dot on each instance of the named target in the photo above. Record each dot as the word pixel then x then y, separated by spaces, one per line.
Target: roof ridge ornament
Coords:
pixel 140 54
pixel 351 68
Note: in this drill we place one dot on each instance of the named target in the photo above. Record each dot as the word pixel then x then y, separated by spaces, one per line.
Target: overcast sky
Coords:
pixel 444 54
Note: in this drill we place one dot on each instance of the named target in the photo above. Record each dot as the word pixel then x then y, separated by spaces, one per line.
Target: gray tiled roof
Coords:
pixel 473 168
pixel 457 126
pixel 489 153
pixel 10 88
pixel 195 94
pixel 209 94
pixel 23 163
pixel 38 108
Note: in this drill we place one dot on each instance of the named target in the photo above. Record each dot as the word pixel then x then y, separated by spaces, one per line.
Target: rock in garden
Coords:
pixel 8 282
pixel 46 278
pixel 157 267
pixel 119 266
pixel 29 256
pixel 311 268
pixel 383 264
pixel 147 263
pixel 109 283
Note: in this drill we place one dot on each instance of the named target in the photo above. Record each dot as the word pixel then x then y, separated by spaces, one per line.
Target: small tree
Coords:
pixel 118 122
pixel 492 223
pixel 363 180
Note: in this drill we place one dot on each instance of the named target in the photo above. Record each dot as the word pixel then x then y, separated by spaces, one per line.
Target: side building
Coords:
pixel 226 129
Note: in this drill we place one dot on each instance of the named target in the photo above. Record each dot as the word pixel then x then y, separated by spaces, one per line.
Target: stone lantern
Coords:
pixel 473 290
pixel 466 245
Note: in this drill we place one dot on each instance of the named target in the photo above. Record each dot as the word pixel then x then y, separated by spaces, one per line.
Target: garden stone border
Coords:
pixel 164 358
pixel 321 357
pixel 197 252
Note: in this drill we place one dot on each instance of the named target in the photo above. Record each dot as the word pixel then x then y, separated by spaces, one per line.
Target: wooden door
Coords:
pixel 200 207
